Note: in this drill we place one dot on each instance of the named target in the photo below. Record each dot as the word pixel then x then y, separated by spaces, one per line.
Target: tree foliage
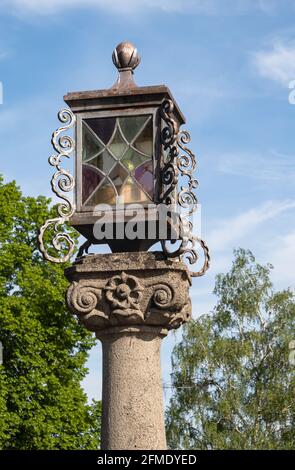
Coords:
pixel 233 384
pixel 42 404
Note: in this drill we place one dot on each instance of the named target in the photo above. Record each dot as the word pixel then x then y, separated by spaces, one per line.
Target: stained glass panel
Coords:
pixel 114 167
pixel 103 127
pixel 91 146
pixel 104 161
pixel 118 145
pixel 144 142
pixel 90 180
pixel 131 192
pixel 105 194
pixel 144 175
pixel 130 126
pixel 132 159
pixel 118 176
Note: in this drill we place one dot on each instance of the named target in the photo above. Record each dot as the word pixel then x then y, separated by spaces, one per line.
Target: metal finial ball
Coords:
pixel 125 56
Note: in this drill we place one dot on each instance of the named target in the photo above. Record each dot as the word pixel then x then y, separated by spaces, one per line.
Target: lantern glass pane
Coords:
pixel 144 176
pixel 117 155
pixel 132 159
pixel 105 194
pixel 118 176
pixel 130 126
pixel 104 162
pixel 144 142
pixel 102 127
pixel 131 192
pixel 91 178
pixel 91 145
pixel 118 145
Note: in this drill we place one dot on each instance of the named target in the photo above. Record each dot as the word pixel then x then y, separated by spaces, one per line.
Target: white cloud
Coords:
pixel 233 230
pixel 271 168
pixel 251 230
pixel 128 6
pixel 277 63
pixel 208 7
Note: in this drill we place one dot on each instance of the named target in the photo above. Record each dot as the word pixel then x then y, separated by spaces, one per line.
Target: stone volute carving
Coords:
pixel 129 289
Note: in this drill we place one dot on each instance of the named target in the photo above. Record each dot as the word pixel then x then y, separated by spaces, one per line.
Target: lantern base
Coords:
pixel 129 235
pixel 120 246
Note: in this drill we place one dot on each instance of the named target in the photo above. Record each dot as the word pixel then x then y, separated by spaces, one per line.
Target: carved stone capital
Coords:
pixel 123 289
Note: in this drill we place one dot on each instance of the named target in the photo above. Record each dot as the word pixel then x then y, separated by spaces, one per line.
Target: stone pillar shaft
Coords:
pixel 132 396
pixel 130 301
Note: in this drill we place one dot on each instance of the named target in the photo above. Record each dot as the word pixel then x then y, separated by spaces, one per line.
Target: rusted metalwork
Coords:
pixel 169 133
pixel 180 161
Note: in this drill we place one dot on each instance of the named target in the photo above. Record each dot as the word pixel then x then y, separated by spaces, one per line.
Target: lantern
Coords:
pixel 129 158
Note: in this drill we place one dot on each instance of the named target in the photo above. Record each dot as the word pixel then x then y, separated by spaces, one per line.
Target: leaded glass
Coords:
pixel 144 175
pixel 103 127
pixel 131 192
pixel 105 194
pixel 104 161
pixel 91 145
pixel 118 175
pixel 144 142
pixel 90 180
pixel 117 145
pixel 127 140
pixel 132 159
pixel 131 125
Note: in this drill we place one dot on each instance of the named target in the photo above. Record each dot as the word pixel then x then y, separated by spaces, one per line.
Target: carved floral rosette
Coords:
pixel 136 296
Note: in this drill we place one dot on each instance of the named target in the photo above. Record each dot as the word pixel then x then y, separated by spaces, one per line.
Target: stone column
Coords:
pixel 130 301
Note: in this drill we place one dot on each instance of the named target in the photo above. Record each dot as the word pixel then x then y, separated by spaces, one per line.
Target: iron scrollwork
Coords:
pixel 62 182
pixel 180 162
pixel 169 172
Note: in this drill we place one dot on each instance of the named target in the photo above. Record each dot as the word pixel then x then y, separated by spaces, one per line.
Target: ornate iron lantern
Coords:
pixel 130 155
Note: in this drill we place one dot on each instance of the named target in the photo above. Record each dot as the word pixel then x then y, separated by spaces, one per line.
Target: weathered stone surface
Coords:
pixel 129 289
pixel 133 416
pixel 130 300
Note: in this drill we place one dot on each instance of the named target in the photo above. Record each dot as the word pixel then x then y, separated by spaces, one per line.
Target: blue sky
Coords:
pixel 228 63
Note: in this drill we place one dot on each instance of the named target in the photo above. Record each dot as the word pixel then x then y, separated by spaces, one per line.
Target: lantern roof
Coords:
pixel 112 97
pixel 124 92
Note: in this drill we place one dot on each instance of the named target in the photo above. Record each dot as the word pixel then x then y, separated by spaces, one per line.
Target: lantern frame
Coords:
pixel 112 102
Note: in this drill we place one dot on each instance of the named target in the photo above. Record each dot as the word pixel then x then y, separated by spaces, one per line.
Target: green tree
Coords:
pixel 42 404
pixel 233 386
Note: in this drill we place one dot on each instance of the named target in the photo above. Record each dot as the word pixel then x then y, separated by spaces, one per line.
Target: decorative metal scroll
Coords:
pixel 169 172
pixel 62 182
pixel 179 161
